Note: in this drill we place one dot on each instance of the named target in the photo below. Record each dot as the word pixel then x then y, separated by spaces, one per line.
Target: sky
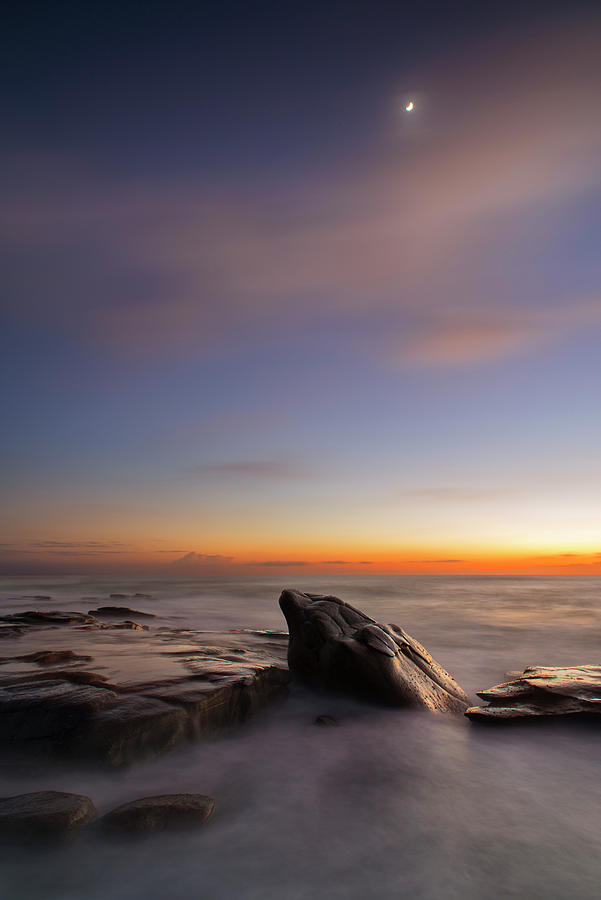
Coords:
pixel 257 318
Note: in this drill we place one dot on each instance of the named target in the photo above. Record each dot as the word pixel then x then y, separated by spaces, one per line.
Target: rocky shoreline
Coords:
pixel 70 690
pixel 83 696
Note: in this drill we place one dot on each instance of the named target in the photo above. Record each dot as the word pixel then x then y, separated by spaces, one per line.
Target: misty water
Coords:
pixel 392 803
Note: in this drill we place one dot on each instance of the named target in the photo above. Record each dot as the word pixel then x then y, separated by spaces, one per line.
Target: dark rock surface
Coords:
pixel 150 689
pixel 334 646
pixel 49 657
pixel 9 631
pixel 158 813
pixel 325 721
pixel 132 626
pixel 119 612
pixel 44 813
pixel 51 617
pixel 542 691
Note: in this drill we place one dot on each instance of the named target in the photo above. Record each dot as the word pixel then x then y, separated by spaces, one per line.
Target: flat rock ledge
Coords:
pixel 167 811
pixel 542 691
pixel 119 696
pixel 44 814
pixel 334 646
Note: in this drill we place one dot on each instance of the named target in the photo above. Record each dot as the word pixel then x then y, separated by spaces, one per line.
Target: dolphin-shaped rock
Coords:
pixel 333 645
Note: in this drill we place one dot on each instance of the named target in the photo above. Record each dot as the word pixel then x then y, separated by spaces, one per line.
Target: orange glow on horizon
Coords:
pixel 283 561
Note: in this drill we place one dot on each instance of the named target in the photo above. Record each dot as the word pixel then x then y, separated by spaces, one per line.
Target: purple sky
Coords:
pixel 257 313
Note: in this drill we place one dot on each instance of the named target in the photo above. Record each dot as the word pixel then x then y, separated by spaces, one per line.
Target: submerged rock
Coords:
pixel 334 646
pixel 161 812
pixel 326 721
pixel 542 691
pixel 44 813
pixel 132 626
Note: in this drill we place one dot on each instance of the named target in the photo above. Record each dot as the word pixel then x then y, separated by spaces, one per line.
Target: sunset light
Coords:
pixel 301 450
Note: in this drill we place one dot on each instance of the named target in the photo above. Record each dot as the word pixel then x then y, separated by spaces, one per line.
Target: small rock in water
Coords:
pixel 36 597
pixel 119 596
pixel 44 813
pixel 49 617
pixel 118 612
pixel 326 721
pixel 161 812
pixel 8 631
pixel 133 626
pixel 143 596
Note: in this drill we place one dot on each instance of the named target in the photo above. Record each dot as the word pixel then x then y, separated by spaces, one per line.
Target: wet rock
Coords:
pixel 132 626
pixel 213 703
pixel 44 715
pixel 326 721
pixel 73 676
pixel 119 612
pixel 542 691
pixel 119 596
pixel 44 813
pixel 53 657
pixel 132 729
pixel 173 811
pixel 334 646
pixel 9 631
pixel 36 597
pixel 142 596
pixel 152 690
pixel 50 617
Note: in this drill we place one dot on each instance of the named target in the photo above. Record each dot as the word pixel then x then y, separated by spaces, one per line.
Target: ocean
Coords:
pixel 391 804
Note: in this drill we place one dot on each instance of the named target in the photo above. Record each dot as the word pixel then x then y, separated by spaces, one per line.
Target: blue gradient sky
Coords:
pixel 257 317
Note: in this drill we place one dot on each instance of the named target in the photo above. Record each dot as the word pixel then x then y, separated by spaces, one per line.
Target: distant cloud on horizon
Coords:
pixel 283 563
pixel 430 561
pixel 192 558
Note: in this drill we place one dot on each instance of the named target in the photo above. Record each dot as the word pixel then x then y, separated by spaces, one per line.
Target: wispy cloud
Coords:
pixel 435 560
pixel 281 563
pixel 76 545
pixel 399 240
pixel 192 559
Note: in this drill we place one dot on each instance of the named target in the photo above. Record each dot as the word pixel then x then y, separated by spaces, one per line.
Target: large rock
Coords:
pixel 542 691
pixel 44 813
pixel 150 691
pixel 158 813
pixel 334 646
